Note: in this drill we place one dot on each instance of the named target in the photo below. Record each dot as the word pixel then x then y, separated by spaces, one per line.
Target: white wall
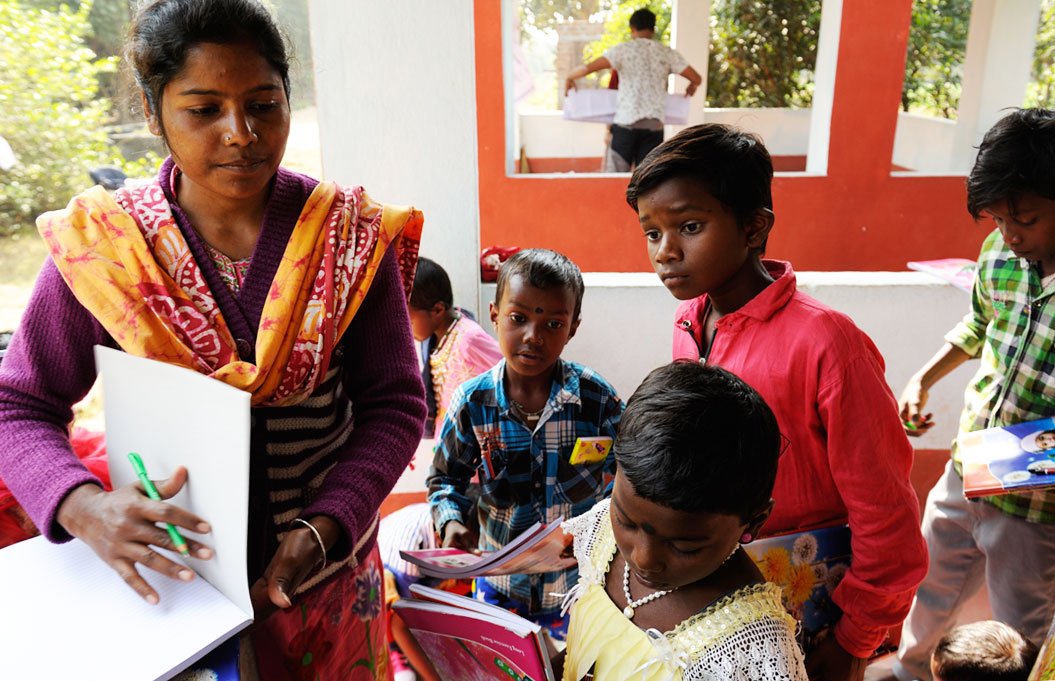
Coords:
pixel 690 32
pixel 547 135
pixel 628 323
pixel 924 144
pixel 996 69
pixel 396 94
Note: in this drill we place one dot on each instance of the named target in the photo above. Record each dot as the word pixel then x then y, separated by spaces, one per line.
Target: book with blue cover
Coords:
pixel 807 565
pixel 1005 459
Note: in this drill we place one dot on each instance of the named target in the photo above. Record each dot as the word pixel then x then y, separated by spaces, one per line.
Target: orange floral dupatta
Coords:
pixel 127 262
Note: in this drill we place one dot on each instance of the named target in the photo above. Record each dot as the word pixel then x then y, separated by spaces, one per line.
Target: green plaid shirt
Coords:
pixel 1011 326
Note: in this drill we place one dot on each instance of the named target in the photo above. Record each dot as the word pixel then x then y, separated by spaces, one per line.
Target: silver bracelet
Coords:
pixel 318 538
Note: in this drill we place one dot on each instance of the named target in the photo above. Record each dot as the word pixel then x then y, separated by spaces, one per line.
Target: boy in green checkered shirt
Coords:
pixel 1008 541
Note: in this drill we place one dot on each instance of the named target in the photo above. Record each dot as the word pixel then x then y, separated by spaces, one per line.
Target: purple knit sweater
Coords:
pixel 50 366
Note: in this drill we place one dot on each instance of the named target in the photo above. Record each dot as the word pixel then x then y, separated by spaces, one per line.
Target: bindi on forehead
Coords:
pixel 538 310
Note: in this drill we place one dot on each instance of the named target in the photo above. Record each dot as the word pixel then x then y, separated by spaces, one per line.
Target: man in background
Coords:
pixel 643 64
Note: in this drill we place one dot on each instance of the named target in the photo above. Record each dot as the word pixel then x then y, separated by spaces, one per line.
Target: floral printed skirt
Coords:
pixel 338 631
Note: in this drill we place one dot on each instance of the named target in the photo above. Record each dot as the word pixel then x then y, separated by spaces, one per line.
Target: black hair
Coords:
pixel 1016 156
pixel 734 165
pixel 643 20
pixel 542 268
pixel 163 31
pixel 984 651
pixel 698 439
pixel 431 286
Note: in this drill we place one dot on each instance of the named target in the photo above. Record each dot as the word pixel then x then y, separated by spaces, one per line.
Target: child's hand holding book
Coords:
pixel 457 536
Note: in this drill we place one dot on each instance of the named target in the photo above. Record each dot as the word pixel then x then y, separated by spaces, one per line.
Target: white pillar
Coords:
pixel 824 86
pixel 996 70
pixel 396 94
pixel 690 34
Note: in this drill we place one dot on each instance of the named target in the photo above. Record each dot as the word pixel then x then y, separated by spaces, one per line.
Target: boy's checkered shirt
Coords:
pixel 1011 326
pixel 525 476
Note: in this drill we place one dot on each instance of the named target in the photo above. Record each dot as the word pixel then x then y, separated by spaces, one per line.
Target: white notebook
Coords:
pixel 66 614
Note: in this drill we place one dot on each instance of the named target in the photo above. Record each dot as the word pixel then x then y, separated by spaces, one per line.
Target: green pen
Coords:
pixel 141 472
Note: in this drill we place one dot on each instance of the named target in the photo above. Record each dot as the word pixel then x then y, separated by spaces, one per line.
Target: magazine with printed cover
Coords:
pixel 540 548
pixel 807 565
pixel 1015 458
pixel 470 640
pixel 957 271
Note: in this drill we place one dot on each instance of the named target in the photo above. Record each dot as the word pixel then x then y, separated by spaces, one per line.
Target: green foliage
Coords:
pixel 937 48
pixel 937 43
pixel 617 25
pixel 762 53
pixel 50 111
pixel 1042 89
pixel 546 14
pixel 109 20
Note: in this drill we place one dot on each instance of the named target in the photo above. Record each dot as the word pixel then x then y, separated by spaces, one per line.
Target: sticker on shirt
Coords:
pixel 590 450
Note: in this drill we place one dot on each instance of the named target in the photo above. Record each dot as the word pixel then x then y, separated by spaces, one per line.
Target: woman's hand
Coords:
pixel 297 555
pixel 122 526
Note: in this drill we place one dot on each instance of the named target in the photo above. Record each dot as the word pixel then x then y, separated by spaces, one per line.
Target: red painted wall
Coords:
pixel 857 217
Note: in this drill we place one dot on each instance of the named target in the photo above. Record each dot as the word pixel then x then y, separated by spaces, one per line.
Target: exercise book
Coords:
pixel 67 614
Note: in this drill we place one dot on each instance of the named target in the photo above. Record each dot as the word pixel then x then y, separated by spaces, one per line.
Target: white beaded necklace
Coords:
pixel 631 604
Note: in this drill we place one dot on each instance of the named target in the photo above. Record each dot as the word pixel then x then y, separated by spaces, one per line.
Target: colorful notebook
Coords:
pixel 957 271
pixel 808 566
pixel 540 548
pixel 471 640
pixel 1016 458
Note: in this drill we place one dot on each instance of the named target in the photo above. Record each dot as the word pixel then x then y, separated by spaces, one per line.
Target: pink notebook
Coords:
pixel 957 271
pixel 540 548
pixel 471 640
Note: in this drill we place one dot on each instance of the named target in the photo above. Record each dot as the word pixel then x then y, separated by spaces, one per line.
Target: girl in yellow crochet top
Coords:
pixel 665 591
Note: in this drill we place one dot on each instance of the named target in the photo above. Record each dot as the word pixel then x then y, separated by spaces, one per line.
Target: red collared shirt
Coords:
pixel 847 460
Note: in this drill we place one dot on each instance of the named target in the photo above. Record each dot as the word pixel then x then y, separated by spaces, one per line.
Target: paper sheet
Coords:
pixel 67 615
pixel 598 106
pixel 173 416
pixel 417 472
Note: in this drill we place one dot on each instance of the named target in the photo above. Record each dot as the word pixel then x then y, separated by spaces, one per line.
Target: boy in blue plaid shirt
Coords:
pixel 1007 541
pixel 516 427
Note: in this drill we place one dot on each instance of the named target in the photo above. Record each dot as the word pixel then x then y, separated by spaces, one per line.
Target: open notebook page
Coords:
pixel 67 615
